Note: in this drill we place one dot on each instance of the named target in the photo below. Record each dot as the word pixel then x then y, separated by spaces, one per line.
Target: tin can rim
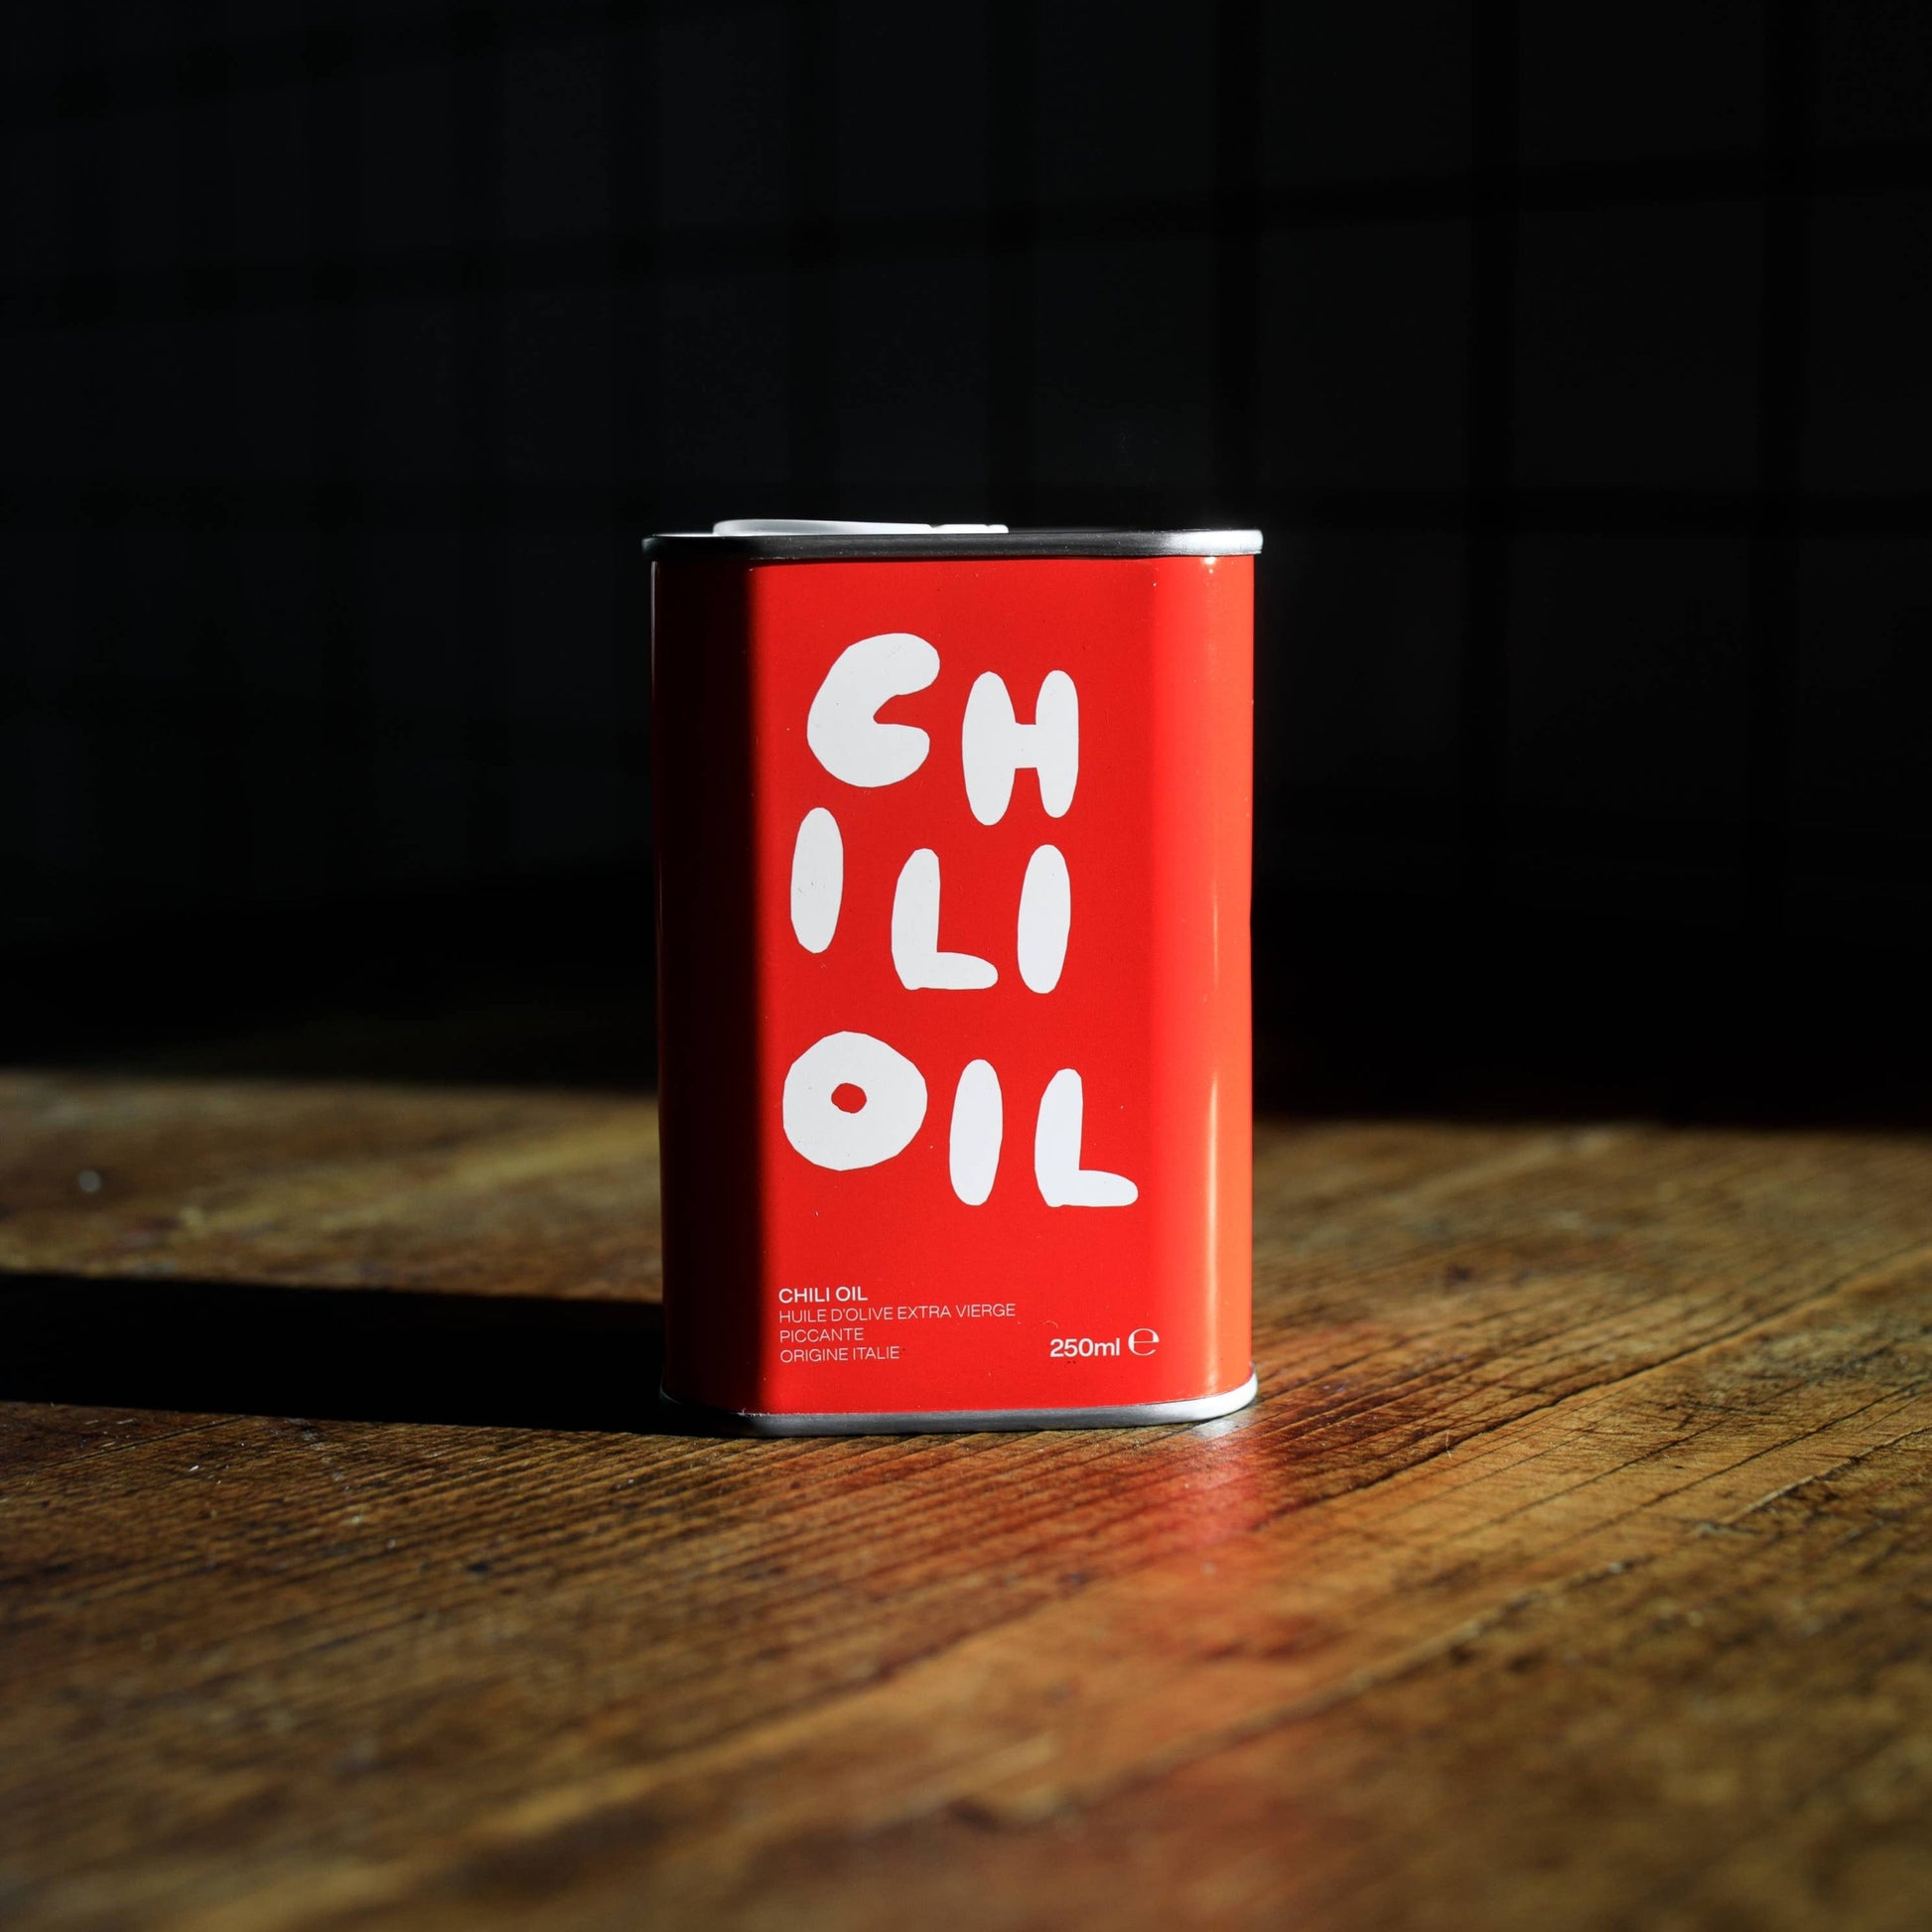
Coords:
pixel 872 546
pixel 949 1421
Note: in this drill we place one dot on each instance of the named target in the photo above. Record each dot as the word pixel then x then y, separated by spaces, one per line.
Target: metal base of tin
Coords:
pixel 949 1421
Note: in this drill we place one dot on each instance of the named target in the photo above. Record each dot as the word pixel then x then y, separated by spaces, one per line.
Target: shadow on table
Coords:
pixel 347 1354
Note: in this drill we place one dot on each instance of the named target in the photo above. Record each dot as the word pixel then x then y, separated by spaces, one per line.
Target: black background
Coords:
pixel 1572 358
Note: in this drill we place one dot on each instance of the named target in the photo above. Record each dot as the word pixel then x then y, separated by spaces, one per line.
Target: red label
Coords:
pixel 998 1104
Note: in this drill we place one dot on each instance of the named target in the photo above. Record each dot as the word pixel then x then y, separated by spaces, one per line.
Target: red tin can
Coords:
pixel 953 834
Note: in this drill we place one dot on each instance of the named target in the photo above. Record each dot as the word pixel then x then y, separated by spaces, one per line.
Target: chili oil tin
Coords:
pixel 953 837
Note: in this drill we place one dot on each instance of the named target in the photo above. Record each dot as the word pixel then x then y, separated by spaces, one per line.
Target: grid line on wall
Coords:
pixel 108 290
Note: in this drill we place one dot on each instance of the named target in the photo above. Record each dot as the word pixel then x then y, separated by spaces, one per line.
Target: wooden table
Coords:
pixel 1574 1569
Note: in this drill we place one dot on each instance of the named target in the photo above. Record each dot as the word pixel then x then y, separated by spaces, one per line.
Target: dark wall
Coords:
pixel 1573 359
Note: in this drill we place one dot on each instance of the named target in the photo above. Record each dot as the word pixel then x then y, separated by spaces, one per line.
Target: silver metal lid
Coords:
pixel 800 541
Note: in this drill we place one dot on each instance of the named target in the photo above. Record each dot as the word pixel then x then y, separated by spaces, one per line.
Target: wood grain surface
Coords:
pixel 1574 1570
